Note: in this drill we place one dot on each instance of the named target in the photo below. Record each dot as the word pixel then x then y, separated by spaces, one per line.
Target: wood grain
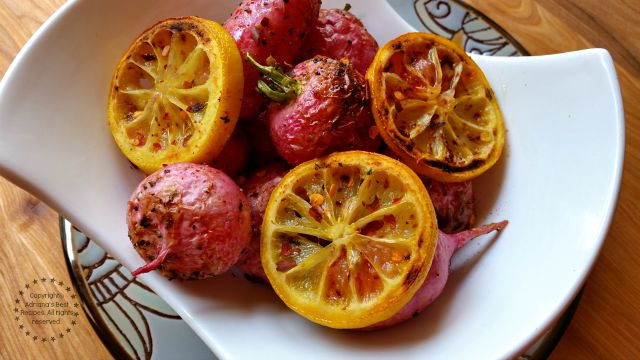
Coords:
pixel 607 322
pixel 31 248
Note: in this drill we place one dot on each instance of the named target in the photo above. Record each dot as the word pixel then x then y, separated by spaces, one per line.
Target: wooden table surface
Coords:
pixel 606 324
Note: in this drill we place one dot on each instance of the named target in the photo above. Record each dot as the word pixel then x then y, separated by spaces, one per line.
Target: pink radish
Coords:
pixel 322 106
pixel 339 34
pixel 234 157
pixel 438 274
pixel 269 28
pixel 188 221
pixel 258 189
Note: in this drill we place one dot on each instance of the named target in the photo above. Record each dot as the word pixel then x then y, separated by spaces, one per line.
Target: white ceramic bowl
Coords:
pixel 557 183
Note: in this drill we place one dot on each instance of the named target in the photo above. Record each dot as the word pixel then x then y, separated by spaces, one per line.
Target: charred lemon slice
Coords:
pixel 348 239
pixel 435 108
pixel 176 93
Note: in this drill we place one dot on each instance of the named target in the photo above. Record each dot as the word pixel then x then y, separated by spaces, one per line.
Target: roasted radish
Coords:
pixel 188 221
pixel 339 34
pixel 258 189
pixel 323 106
pixel 264 28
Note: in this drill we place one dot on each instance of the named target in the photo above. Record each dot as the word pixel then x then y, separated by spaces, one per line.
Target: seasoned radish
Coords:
pixel 188 221
pixel 234 157
pixel 269 28
pixel 262 151
pixel 454 204
pixel 339 34
pixel 438 273
pixel 258 189
pixel 322 107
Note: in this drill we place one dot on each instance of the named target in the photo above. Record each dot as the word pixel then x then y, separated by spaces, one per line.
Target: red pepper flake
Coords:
pixel 285 249
pixel 332 190
pixel 373 205
pixel 186 139
pixel 157 146
pixel 390 220
pixel 316 213
pixel 397 199
pixel 285 265
pixel 373 132
pixel 302 192
pixel 139 139
pixel 372 227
